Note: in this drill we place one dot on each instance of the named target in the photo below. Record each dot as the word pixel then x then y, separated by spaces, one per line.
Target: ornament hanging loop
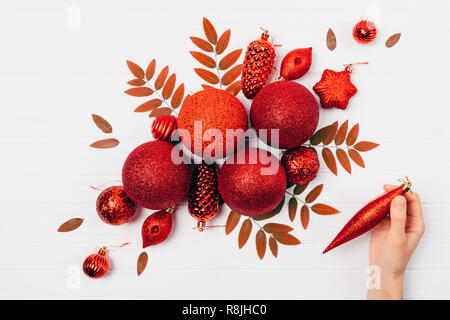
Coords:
pixel 170 210
pixel 349 66
pixel 102 250
pixel 265 34
pixel 407 184
pixel 99 188
pixel 201 226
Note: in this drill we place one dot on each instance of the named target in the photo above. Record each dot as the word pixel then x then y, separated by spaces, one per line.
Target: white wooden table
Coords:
pixel 56 72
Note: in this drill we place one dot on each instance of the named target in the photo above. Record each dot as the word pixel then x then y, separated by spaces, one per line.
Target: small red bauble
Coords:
pixel 365 32
pixel 157 227
pixel 252 182
pixel 114 206
pixel 301 165
pixel 163 127
pixel 335 89
pixel 96 265
pixel 296 64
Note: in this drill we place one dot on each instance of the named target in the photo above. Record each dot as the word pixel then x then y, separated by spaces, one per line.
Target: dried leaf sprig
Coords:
pixel 163 87
pixel 271 233
pixel 215 47
pixel 323 138
pixel 103 125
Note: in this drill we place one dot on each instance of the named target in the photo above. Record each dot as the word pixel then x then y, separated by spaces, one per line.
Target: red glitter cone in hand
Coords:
pixel 369 216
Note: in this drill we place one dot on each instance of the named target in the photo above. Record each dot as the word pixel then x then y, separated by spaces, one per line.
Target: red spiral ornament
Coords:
pixel 365 32
pixel 163 127
pixel 96 265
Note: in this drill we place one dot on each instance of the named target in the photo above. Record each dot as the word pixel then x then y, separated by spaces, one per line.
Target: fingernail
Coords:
pixel 399 202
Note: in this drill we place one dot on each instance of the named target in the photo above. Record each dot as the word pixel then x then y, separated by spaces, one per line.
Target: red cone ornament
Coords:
pixel 114 206
pixel 96 265
pixel 157 227
pixel 369 216
pixel 296 64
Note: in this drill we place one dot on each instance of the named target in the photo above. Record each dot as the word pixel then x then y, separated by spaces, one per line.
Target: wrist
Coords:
pixel 390 288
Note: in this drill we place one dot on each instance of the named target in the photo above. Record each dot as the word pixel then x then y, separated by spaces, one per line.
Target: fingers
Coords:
pixel 398 218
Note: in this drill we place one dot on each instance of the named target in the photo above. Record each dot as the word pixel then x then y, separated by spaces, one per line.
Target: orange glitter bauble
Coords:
pixel 212 109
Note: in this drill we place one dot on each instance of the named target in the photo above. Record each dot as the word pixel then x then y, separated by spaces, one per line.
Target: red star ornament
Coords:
pixel 335 89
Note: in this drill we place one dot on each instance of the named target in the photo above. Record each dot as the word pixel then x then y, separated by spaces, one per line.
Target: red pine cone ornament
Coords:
pixel 301 165
pixel 365 32
pixel 157 227
pixel 163 127
pixel 258 64
pixel 114 206
pixel 96 265
pixel 204 194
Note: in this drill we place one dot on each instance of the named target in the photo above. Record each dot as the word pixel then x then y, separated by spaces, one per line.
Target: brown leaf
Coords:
pixel 323 209
pixel 232 74
pixel 135 70
pixel 261 243
pixel 364 146
pixel 314 193
pixel 229 59
pixel 161 79
pixel 169 86
pixel 234 88
pixel 142 262
pixel 150 72
pixel 392 40
pixel 136 82
pixel 232 221
pixel 210 31
pixel 177 97
pixel 329 159
pixel 70 225
pixel 206 86
pixel 319 136
pixel 273 246
pixel 331 133
pixel 205 60
pixel 105 144
pixel 331 40
pixel 352 135
pixel 299 188
pixel 139 92
pixel 222 43
pixel 356 157
pixel 277 227
pixel 286 238
pixel 206 75
pixel 341 133
pixel 101 123
pixel 149 105
pixel 202 44
pixel 344 160
pixel 304 216
pixel 272 213
pixel 244 233
pixel 160 112
pixel 292 208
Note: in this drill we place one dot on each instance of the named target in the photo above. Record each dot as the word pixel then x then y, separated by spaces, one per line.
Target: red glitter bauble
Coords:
pixel 296 64
pixel 152 179
pixel 252 182
pixel 288 107
pixel 96 265
pixel 163 127
pixel 114 206
pixel 335 89
pixel 212 109
pixel 301 165
pixel 156 227
pixel 365 32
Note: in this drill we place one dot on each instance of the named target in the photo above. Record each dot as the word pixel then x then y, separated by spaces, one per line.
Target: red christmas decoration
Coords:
pixel 301 165
pixel 258 63
pixel 365 32
pixel 369 216
pixel 96 265
pixel 114 206
pixel 296 64
pixel 163 127
pixel 157 227
pixel 335 88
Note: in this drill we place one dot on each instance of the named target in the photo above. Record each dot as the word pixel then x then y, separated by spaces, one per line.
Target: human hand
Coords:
pixel 393 241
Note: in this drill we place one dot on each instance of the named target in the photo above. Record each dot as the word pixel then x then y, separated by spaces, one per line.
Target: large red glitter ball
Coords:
pixel 114 206
pixel 156 228
pixel 213 109
pixel 152 179
pixel 252 182
pixel 96 265
pixel 288 107
pixel 301 165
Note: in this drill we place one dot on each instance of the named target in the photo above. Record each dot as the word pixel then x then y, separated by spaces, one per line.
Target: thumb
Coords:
pixel 398 216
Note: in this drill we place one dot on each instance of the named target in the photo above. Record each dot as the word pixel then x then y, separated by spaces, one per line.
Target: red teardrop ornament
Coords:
pixel 157 227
